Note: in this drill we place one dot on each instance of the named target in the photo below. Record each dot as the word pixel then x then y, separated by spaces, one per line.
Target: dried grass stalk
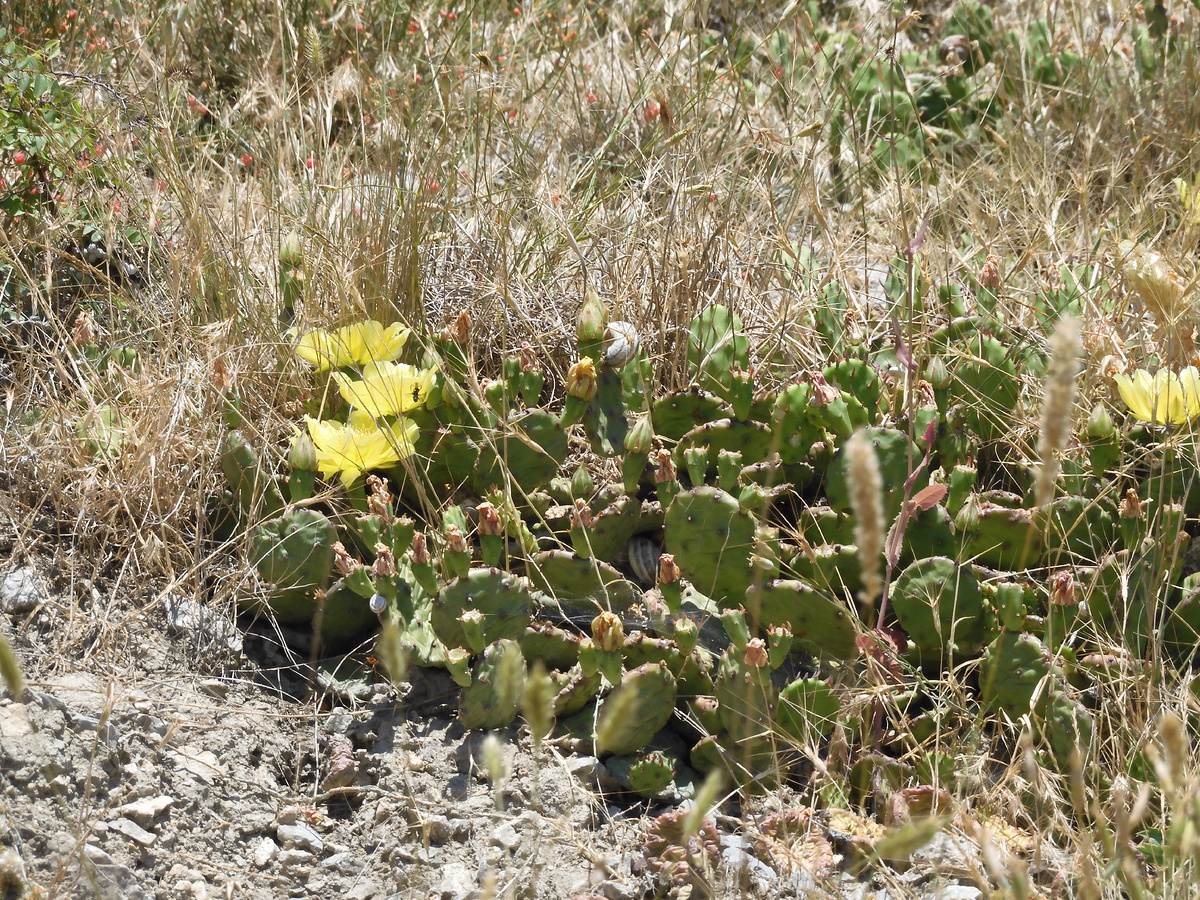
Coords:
pixel 1057 402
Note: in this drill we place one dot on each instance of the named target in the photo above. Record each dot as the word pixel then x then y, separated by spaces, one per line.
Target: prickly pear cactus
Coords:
pixel 677 413
pixel 712 539
pixel 294 553
pixel 752 439
pixel 636 709
pixel 819 625
pixel 494 694
pixel 716 343
pixel 1013 667
pixel 746 703
pixel 575 582
pixel 501 601
pixel 652 774
pixel 998 536
pixel 528 450
pixel 808 710
pixel 896 454
pixel 940 607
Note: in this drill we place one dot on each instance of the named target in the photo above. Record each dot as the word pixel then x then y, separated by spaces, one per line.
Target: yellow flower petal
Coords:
pixel 386 389
pixel 1165 398
pixel 1136 393
pixel 350 450
pixel 351 345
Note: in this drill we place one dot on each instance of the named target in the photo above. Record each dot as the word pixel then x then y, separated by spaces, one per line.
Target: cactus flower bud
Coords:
pixel 937 373
pixel 379 500
pixel 823 393
pixel 1062 590
pixel 385 562
pixel 343 562
pixel 527 357
pixel 641 437
pixel 1131 505
pixel 666 466
pixel 460 332
pixel 1100 424
pixel 581 516
pixel 756 653
pixel 291 251
pixel 989 275
pixel 593 317
pixel 489 520
pixel 607 632
pixel 581 380
pixel 303 454
pixel 582 486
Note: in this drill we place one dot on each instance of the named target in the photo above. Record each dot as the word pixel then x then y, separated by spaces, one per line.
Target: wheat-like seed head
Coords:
pixel 1057 402
pixel 866 498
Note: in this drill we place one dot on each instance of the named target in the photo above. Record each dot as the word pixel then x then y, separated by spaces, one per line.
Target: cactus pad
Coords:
pixel 294 552
pixel 501 598
pixel 675 414
pixel 494 694
pixel 940 607
pixel 819 625
pixel 636 709
pixel 712 539
pixel 577 582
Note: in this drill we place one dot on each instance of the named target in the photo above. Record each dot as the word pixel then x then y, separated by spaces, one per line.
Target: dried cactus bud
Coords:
pixel 343 563
pixel 593 317
pixel 823 393
pixel 1131 505
pixel 607 632
pixel 489 520
pixel 291 251
pixel 385 562
pixel 455 541
pixel 668 571
pixel 84 332
pixel 756 653
pixel 581 516
pixel 989 275
pixel 1062 590
pixel 581 379
pixel 379 499
pixel 460 332
pixel 527 357
pixel 666 466
pixel 419 552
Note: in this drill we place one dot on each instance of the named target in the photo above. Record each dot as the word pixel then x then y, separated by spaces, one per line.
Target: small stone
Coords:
pixel 958 892
pixel 214 687
pixel 146 810
pixel 20 592
pixel 201 764
pixel 505 836
pixel 265 853
pixel 345 862
pixel 186 618
pixel 615 890
pixel 438 829
pixel 583 768
pixel 292 859
pixel 300 836
pixel 363 890
pixel 743 866
pixel 133 831
pixel 456 879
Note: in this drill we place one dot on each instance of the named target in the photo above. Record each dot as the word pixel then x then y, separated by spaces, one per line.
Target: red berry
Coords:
pixel 247 159
pixel 19 158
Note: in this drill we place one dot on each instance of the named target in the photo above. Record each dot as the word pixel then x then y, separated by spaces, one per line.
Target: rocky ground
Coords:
pixel 190 756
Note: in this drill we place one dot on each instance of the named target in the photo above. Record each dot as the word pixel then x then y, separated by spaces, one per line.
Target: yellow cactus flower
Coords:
pixel 386 389
pixel 363 444
pixel 351 345
pixel 1166 398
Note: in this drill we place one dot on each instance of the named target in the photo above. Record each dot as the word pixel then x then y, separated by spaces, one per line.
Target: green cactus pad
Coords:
pixel 256 492
pixel 502 599
pixel 677 413
pixel 294 553
pixel 529 449
pixel 825 525
pixel 613 526
pixel 577 582
pixel 808 710
pixel 347 616
pixel 716 343
pixel 644 702
pixel 1079 531
pixel 895 453
pixel 494 695
pixel 819 625
pixel 557 649
pixel 712 539
pixel 651 774
pixel 746 703
pixel 606 420
pixel 833 568
pixel 985 378
pixel 997 536
pixel 795 429
pixel 940 607
pixel 1013 667
pixel 752 439
pixel 443 460
pixel 1067 727
pixel 860 381
pixel 575 690
pixel 929 533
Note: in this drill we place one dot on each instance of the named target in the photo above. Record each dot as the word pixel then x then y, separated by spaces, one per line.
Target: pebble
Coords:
pixel 616 890
pixel 584 768
pixel 186 618
pixel 293 859
pixel 345 862
pixel 438 829
pixel 505 836
pixel 133 831
pixel 201 764
pixel 146 810
pixel 958 892
pixel 456 879
pixel 20 592
pixel 265 853
pixel 214 687
pixel 300 836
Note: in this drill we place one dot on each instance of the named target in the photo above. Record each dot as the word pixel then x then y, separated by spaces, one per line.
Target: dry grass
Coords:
pixel 499 162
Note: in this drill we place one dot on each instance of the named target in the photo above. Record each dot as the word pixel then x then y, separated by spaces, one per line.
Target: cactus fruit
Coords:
pixel 819 625
pixel 493 697
pixel 502 601
pixel 808 710
pixel 712 539
pixel 940 607
pixel 580 583
pixel 294 552
pixel 652 774
pixel 636 709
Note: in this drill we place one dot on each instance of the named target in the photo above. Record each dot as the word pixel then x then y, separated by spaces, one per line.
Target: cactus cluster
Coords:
pixel 710 590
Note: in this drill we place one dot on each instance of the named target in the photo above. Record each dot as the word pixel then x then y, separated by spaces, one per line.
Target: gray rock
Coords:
pixel 958 892
pixel 456 879
pixel 146 810
pixel 505 836
pixel 438 829
pixel 583 767
pixel 20 592
pixel 294 859
pixel 133 831
pixel 186 618
pixel 214 687
pixel 943 851
pixel 746 868
pixel 110 878
pixel 615 890
pixel 345 862
pixel 300 836
pixel 265 853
